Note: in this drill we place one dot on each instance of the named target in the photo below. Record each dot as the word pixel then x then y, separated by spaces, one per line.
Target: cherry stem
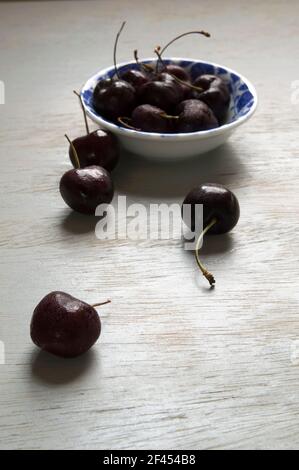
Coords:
pixel 204 271
pixel 83 109
pixel 115 49
pixel 145 67
pixel 168 116
pixel 160 60
pixel 204 33
pixel 178 80
pixel 136 57
pixel 101 303
pixel 74 152
pixel 122 121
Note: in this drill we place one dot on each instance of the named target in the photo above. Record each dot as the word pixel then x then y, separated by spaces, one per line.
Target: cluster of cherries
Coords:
pixel 62 324
pixel 89 183
pixel 163 98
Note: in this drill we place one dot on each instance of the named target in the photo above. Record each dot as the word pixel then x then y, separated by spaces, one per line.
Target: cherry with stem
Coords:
pixel 115 49
pixel 114 97
pixel 221 212
pixel 64 325
pixel 97 147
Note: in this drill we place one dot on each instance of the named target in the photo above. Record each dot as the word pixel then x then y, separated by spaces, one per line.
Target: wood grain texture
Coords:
pixel 178 366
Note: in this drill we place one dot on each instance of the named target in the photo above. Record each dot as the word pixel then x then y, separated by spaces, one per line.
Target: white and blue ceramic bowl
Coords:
pixel 169 146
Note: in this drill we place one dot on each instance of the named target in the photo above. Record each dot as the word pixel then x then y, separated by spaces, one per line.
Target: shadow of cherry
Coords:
pixel 50 369
pixel 78 224
pixel 213 245
pixel 217 244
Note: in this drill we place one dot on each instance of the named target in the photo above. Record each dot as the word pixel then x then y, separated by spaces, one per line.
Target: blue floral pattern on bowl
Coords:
pixel 242 97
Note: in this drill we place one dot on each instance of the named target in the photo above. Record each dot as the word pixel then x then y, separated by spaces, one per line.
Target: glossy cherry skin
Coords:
pixel 184 90
pixel 97 148
pixel 115 100
pixel 195 115
pixel 83 189
pixel 64 326
pixel 218 202
pixel 135 77
pixel 179 87
pixel 216 94
pixel 148 118
pixel 178 72
pixel 104 83
pixel 162 94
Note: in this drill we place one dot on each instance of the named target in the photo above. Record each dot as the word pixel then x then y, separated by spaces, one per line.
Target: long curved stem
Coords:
pixel 83 109
pixel 115 48
pixel 204 271
pixel 101 303
pixel 176 79
pixel 74 152
pixel 204 33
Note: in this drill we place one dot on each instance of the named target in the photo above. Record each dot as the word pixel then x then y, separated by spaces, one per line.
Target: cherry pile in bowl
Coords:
pixel 162 98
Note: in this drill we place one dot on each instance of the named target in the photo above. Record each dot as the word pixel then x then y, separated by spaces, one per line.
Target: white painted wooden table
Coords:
pixel 177 366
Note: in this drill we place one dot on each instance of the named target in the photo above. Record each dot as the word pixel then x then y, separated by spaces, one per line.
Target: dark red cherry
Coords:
pixel 221 213
pixel 195 115
pixel 65 326
pixel 186 90
pixel 183 87
pixel 216 94
pixel 135 77
pixel 218 202
pixel 162 94
pixel 104 83
pixel 114 100
pixel 149 118
pixel 178 72
pixel 96 148
pixel 178 86
pixel 83 189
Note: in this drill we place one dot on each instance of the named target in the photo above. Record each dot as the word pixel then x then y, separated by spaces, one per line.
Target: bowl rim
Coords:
pixel 179 136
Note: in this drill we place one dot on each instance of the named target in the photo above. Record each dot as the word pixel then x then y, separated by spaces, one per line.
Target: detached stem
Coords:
pixel 101 303
pixel 74 152
pixel 204 271
pixel 83 109
pixel 115 48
